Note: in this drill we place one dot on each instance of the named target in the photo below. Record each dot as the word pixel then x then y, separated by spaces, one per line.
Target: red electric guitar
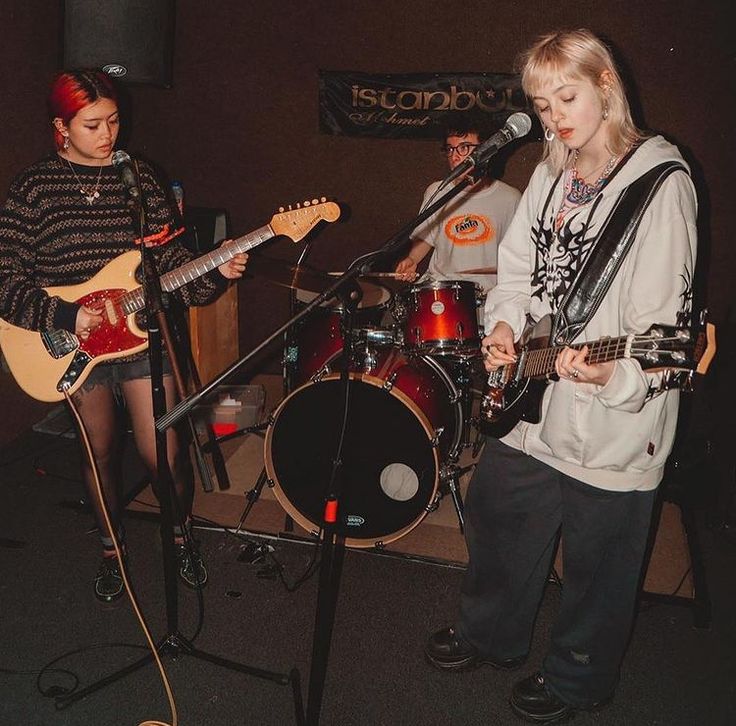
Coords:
pixel 46 364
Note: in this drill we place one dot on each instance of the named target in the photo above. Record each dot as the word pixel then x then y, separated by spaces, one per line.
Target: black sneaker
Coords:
pixel 109 583
pixel 448 651
pixel 192 571
pixel 533 701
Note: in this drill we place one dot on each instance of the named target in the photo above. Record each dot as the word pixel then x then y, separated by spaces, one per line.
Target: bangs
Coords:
pixel 543 72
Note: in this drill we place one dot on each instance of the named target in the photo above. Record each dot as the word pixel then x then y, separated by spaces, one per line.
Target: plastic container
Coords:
pixel 235 408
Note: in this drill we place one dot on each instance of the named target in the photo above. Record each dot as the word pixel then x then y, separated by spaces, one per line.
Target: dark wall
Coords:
pixel 240 128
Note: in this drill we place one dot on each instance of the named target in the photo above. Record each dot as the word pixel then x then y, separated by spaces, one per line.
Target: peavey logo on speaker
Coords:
pixel 115 70
pixel 354 520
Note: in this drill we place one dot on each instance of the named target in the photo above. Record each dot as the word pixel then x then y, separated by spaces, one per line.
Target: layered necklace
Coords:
pixel 577 190
pixel 90 193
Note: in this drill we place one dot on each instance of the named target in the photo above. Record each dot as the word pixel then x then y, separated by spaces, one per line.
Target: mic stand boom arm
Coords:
pixel 345 282
pixel 333 543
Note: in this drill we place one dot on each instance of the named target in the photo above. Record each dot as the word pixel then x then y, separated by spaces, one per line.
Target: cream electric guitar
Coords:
pixel 46 364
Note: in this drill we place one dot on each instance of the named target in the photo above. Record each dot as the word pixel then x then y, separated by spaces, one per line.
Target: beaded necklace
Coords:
pixel 577 190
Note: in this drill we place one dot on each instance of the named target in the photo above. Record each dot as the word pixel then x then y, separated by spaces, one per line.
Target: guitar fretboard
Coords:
pixel 541 362
pixel 133 300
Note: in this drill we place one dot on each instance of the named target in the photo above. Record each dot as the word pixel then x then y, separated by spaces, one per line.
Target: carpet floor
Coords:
pixel 56 638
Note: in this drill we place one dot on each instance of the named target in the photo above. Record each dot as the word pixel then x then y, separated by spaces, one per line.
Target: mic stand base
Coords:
pixel 174 646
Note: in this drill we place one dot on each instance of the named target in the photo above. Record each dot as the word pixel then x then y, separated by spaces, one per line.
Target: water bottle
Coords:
pixel 177 190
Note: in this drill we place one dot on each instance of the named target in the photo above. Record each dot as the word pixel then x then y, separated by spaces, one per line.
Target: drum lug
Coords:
pixel 389 383
pixel 320 374
pixel 434 504
pixel 369 360
pixel 436 438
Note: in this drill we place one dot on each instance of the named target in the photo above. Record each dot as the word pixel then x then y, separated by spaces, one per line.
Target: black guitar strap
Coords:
pixel 607 255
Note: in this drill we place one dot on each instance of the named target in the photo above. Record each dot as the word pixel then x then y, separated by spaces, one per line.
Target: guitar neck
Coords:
pixel 134 300
pixel 541 362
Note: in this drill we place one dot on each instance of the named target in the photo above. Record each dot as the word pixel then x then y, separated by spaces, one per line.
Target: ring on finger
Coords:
pixel 575 373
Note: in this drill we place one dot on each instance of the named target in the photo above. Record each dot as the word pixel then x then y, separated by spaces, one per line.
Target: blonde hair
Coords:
pixel 578 54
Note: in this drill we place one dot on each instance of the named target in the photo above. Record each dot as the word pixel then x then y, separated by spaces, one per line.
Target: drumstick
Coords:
pixel 379 274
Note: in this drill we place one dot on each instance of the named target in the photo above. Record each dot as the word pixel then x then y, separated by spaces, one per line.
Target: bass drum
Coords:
pixel 404 420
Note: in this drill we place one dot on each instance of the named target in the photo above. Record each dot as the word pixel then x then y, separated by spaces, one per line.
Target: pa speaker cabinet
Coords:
pixel 132 40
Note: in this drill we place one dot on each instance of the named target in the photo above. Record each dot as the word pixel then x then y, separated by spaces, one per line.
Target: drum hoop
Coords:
pixel 373 380
pixel 442 285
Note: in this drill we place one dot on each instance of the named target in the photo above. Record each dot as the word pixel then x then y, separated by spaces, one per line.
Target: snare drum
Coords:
pixel 404 420
pixel 318 340
pixel 441 318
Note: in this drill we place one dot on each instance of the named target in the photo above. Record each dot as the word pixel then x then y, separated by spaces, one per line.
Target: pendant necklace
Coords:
pixel 577 191
pixel 90 194
pixel 580 191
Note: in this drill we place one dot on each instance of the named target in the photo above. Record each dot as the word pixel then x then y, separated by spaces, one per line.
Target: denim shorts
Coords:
pixel 113 374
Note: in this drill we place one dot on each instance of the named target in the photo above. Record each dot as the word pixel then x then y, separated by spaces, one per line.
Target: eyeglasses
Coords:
pixel 462 149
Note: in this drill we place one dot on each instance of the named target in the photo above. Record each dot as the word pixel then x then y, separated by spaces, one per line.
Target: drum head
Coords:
pixel 390 467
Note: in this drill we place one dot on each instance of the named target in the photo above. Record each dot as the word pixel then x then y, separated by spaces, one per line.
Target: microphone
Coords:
pixel 124 164
pixel 517 125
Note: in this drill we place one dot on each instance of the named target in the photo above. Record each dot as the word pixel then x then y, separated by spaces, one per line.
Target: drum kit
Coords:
pixel 415 372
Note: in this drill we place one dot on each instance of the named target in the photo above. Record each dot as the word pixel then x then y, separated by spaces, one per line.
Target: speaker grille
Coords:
pixel 131 39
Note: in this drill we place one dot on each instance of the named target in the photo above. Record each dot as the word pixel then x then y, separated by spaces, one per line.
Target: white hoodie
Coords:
pixel 617 436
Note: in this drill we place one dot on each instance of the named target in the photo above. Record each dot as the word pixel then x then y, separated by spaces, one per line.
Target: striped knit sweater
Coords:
pixel 50 236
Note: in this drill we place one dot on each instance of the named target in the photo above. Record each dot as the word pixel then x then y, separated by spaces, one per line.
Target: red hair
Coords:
pixel 71 91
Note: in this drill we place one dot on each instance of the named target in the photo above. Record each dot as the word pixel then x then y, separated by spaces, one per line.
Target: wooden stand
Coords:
pixel 213 331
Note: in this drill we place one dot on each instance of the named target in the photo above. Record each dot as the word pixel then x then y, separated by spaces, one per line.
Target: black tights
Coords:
pixel 99 412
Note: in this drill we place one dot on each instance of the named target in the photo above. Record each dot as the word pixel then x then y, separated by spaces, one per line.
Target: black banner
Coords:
pixel 412 105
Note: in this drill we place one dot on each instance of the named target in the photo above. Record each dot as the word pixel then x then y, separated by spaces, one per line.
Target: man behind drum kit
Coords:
pixel 464 234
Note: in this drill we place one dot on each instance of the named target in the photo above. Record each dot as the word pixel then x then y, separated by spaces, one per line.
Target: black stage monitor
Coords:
pixel 132 40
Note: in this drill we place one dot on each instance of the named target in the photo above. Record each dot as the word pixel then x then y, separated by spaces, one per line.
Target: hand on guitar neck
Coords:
pixel 518 374
pixel 499 350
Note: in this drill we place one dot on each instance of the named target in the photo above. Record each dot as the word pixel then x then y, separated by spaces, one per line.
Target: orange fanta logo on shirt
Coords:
pixel 469 229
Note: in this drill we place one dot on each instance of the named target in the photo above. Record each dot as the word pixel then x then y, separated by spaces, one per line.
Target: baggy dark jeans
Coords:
pixel 515 509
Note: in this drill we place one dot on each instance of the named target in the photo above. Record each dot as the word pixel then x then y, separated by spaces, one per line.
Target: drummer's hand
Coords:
pixel 87 320
pixel 498 347
pixel 406 270
pixel 234 268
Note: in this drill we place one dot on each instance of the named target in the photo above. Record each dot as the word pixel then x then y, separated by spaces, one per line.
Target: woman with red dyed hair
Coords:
pixel 64 219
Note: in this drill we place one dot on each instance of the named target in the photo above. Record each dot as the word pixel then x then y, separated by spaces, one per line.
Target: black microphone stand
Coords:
pixel 174 643
pixel 333 537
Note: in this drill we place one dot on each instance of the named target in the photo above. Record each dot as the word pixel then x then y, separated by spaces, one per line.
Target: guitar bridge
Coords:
pixel 59 343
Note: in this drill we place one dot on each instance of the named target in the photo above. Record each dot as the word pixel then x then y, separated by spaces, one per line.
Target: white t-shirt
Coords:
pixel 466 231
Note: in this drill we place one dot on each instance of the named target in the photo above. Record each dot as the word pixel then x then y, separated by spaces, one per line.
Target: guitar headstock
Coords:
pixel 675 348
pixel 296 222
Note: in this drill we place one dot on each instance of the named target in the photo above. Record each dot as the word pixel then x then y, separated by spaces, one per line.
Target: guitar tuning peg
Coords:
pixel 315 201
pixel 281 210
pixel 306 202
pixel 323 199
